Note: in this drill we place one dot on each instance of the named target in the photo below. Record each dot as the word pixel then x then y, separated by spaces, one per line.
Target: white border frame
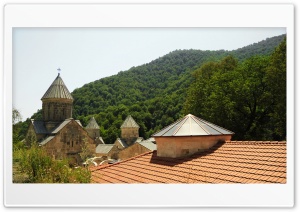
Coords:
pixel 147 15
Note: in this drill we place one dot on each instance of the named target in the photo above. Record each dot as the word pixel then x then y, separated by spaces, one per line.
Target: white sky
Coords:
pixel 88 54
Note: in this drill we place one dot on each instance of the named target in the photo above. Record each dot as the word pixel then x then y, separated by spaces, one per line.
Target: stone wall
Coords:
pixel 93 133
pixel 182 146
pixel 129 134
pixel 134 150
pixel 69 142
pixel 57 110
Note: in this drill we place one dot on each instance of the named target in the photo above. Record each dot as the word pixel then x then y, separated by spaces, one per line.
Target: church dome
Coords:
pixel 57 90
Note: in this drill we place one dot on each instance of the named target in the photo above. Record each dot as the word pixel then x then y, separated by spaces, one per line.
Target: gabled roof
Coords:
pixel 46 140
pixel 39 127
pixel 62 125
pixel 92 124
pixel 191 125
pixel 104 148
pixel 148 144
pixel 227 162
pixel 57 90
pixel 129 122
pixel 78 121
pixel 122 142
pixel 100 140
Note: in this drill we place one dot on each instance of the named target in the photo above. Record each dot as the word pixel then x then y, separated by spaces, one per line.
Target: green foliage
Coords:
pixel 248 98
pixel 41 168
pixel 152 93
pixel 38 115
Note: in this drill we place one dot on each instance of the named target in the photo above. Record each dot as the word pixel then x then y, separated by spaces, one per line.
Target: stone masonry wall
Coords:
pixel 69 142
pixel 57 110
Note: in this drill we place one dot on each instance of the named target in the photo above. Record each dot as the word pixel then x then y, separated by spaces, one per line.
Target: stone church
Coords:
pixel 58 133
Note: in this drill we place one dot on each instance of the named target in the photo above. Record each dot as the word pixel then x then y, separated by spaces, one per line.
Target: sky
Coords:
pixel 88 54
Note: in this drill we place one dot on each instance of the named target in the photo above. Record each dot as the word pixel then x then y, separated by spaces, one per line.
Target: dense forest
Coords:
pixel 242 90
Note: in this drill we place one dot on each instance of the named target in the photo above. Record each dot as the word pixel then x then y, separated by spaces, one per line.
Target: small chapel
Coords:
pixel 58 133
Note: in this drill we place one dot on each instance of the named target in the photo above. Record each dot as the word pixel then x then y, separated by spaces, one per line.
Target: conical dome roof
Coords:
pixel 129 122
pixel 191 125
pixel 57 90
pixel 92 124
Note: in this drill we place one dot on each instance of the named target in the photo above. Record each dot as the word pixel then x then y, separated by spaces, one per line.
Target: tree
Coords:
pixel 276 80
pixel 247 98
pixel 85 150
pixel 16 116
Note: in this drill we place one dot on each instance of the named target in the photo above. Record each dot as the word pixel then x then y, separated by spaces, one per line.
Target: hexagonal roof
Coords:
pixel 92 124
pixel 129 122
pixel 191 125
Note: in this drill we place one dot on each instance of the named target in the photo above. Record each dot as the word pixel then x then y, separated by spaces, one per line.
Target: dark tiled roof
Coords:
pixel 57 90
pixel 191 125
pixel 92 124
pixel 129 122
pixel 226 162
pixel 39 127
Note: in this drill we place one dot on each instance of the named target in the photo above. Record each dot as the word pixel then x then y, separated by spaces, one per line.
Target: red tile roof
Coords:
pixel 226 162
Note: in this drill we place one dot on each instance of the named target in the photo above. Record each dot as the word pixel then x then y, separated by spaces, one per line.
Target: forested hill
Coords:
pixel 153 93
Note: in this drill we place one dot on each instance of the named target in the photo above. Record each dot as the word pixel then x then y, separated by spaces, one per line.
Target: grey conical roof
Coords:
pixel 57 90
pixel 92 124
pixel 129 122
pixel 191 125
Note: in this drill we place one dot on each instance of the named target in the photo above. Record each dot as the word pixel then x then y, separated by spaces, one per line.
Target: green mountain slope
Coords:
pixel 153 93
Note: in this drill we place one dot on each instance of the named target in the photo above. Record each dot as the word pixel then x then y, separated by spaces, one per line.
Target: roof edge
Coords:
pixel 102 167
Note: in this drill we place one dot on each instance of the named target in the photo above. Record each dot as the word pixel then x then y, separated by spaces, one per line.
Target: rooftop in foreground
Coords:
pixel 245 162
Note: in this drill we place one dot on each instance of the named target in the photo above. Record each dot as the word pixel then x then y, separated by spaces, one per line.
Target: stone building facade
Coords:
pixel 129 130
pixel 58 133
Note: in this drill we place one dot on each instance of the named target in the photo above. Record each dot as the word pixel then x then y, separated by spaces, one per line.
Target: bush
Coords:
pixel 41 168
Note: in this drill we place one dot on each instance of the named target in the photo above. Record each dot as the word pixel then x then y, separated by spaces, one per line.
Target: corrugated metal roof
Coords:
pixel 191 125
pixel 149 145
pixel 92 124
pixel 39 127
pixel 129 122
pixel 104 148
pixel 57 90
pixel 46 140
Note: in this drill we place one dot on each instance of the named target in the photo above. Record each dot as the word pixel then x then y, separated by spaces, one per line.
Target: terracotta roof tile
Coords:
pixel 226 162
